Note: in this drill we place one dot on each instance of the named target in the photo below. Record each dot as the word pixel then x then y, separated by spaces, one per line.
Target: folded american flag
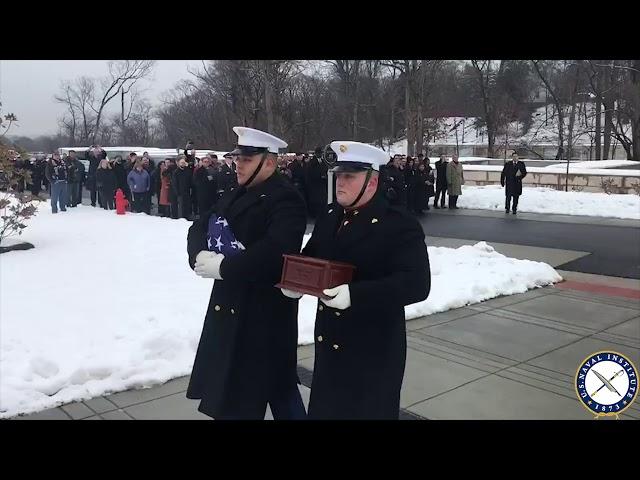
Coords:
pixel 220 238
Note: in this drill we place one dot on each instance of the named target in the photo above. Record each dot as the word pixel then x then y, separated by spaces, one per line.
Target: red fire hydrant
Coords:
pixel 121 202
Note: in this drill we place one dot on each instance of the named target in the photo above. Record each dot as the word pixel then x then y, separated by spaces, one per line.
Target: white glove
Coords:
pixel 291 293
pixel 341 297
pixel 208 266
pixel 202 255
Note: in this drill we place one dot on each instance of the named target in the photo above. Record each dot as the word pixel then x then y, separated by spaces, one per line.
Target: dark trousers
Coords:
pixel 184 207
pixel 141 203
pixel 78 193
pixel 284 406
pixel 195 207
pixel 175 211
pixel 36 187
pixel 72 198
pixel 93 197
pixel 107 199
pixel 453 201
pixel 440 190
pixel 508 202
pixel 163 210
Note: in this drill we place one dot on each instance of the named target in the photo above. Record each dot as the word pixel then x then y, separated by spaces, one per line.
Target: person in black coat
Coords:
pixel 81 176
pixel 106 183
pixel 512 175
pixel 360 332
pixel 394 184
pixel 423 187
pixel 316 182
pixel 205 180
pixel 37 175
pixel 247 354
pixel 298 174
pixel 227 177
pixel 410 179
pixel 181 185
pixel 75 180
pixel 121 173
pixel 441 181
pixel 95 154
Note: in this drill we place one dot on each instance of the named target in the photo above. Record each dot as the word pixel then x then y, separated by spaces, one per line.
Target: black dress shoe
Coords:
pixel 514 212
pixel 506 210
pixel 436 207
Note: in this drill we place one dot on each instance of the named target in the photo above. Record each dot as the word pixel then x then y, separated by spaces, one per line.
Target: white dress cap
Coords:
pixel 250 137
pixel 354 153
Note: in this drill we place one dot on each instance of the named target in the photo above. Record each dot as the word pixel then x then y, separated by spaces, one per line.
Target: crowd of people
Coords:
pixel 411 182
pixel 178 187
pixel 183 187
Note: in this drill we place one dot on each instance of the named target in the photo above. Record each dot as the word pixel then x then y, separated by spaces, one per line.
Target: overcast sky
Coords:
pixel 27 88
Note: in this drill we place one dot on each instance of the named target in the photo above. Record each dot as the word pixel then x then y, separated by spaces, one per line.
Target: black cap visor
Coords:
pixel 246 151
pixel 351 167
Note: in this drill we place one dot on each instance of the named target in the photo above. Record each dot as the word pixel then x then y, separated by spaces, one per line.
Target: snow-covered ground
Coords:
pixel 548 200
pixel 106 303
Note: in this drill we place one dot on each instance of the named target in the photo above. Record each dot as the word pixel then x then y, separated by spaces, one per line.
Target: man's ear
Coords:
pixel 373 181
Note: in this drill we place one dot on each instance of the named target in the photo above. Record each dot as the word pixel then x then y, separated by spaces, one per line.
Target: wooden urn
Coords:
pixel 313 275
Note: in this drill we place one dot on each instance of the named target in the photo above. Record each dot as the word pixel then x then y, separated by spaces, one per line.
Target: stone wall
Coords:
pixel 581 183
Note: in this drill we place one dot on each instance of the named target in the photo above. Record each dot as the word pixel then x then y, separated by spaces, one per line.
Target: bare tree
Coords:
pixel 78 96
pixel 544 77
pixel 123 75
pixel 348 73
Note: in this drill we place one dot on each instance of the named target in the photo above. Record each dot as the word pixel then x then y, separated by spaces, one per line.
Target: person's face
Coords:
pixel 182 163
pixel 514 157
pixel 421 167
pixel 349 184
pixel 72 155
pixel 455 158
pixel 133 159
pixel 246 165
pixel 206 162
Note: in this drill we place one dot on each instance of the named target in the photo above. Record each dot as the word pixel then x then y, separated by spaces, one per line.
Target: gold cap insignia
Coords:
pixel 343 148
